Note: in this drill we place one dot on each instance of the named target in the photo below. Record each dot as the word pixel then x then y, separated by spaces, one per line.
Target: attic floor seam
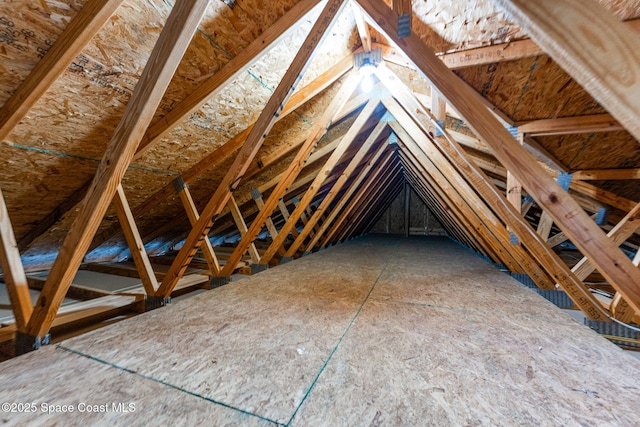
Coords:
pixel 159 381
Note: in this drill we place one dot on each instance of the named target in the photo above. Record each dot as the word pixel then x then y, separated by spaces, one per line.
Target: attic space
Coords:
pixel 313 204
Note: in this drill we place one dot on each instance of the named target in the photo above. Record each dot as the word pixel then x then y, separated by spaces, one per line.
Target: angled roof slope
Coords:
pixel 252 114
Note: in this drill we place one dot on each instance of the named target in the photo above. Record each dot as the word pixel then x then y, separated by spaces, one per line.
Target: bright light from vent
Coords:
pixel 366 71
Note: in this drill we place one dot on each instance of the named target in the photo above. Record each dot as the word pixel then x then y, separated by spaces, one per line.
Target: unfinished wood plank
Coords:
pixel 242 226
pixel 271 228
pixel 592 46
pixel 570 125
pixel 13 270
pixel 345 216
pixel 362 175
pixel 363 29
pixel 606 174
pixel 192 214
pixel 337 186
pixel 135 243
pixel 546 257
pixel 164 59
pixel 566 213
pixel 295 167
pixel 251 146
pixel 87 22
pixel 544 225
pixel 345 142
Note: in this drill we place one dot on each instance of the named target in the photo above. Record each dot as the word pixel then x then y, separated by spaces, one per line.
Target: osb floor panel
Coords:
pixel 379 331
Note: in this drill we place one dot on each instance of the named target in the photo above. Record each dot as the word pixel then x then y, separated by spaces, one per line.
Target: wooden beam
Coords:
pixel 192 213
pixel 295 167
pixel 134 241
pixel 546 257
pixel 402 8
pixel 164 59
pixel 228 73
pixel 297 99
pixel 618 234
pixel 566 213
pixel 345 142
pixel 544 225
pixel 271 227
pixel 87 22
pixel 337 186
pixel 592 46
pixel 331 235
pixel 363 29
pixel 460 195
pixel 251 146
pixel 242 226
pixel 355 185
pixel 606 174
pixel 570 125
pixel 13 270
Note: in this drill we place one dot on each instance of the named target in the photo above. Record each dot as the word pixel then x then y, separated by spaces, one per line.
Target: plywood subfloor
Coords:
pixel 378 331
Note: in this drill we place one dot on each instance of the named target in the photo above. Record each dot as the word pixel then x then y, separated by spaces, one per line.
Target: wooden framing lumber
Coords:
pixel 331 217
pixel 618 234
pixel 606 174
pixel 402 8
pixel 13 270
pixel 242 226
pixel 345 142
pixel 294 169
pixel 544 225
pixel 164 59
pixel 271 228
pixel 345 215
pixel 466 202
pixel 193 215
pixel 592 46
pixel 570 125
pixel 251 146
pixel 363 30
pixel 566 213
pixel 546 257
pixel 134 241
pixel 87 22
pixel 337 186
pixel 380 183
pixel 473 232
pixel 297 99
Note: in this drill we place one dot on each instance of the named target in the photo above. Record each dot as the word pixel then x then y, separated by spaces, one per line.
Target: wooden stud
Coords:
pixel 271 228
pixel 345 216
pixel 606 174
pixel 193 215
pixel 164 59
pixel 251 146
pixel 402 8
pixel 134 241
pixel 294 168
pixel 544 225
pixel 329 220
pixel 592 46
pixel 546 257
pixel 363 29
pixel 570 125
pixel 345 142
pixel 242 226
pixel 87 22
pixel 337 186
pixel 566 213
pixel 13 270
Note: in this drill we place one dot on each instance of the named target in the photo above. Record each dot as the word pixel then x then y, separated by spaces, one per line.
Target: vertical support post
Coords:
pixel 407 208
pixel 189 205
pixel 13 270
pixel 135 243
pixel 165 57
